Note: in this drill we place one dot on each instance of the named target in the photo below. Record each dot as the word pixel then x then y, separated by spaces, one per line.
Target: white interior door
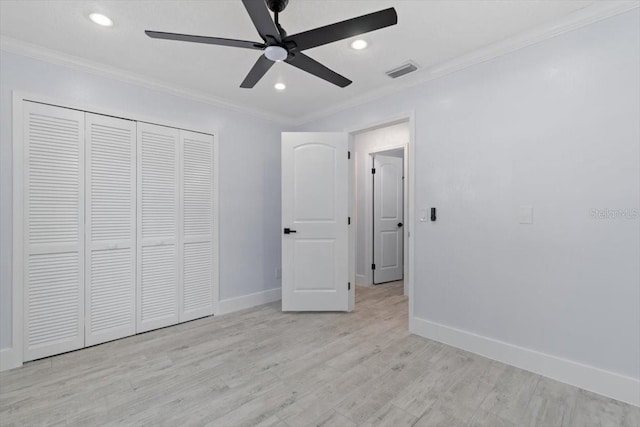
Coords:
pixel 196 295
pixel 388 219
pixel 110 291
pixel 315 243
pixel 158 226
pixel 53 256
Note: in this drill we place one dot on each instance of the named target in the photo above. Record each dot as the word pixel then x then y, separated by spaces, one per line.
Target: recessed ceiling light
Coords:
pixel 359 44
pixel 280 86
pixel 101 19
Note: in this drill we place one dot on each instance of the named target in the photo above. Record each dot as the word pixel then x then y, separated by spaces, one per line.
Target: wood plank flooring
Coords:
pixel 267 368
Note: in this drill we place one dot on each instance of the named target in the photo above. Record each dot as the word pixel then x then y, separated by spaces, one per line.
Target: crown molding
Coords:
pixel 596 12
pixel 51 56
pixel 581 18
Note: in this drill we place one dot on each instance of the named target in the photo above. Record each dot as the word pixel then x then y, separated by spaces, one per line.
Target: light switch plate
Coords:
pixel 525 214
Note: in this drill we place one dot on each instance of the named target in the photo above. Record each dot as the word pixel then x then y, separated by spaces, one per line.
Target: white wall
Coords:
pixel 364 144
pixel 249 169
pixel 555 125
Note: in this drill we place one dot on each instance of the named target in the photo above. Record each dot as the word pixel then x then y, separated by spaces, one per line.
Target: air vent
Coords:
pixel 407 68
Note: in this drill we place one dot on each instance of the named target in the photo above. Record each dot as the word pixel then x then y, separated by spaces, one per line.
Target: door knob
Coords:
pixel 289 231
pixel 399 224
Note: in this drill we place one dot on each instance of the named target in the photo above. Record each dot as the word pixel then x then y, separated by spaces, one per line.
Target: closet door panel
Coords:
pixel 53 275
pixel 158 227
pixel 110 235
pixel 196 299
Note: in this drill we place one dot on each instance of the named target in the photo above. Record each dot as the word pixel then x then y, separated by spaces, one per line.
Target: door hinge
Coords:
pixel 348 154
pixel 348 220
pixel 349 286
pixel 373 170
pixel 373 266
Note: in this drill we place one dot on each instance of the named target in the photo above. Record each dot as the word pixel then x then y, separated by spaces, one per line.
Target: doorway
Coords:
pixel 388 215
pixel 320 215
pixel 381 200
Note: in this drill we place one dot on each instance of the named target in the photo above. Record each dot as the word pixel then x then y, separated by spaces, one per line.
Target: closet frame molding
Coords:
pixel 14 357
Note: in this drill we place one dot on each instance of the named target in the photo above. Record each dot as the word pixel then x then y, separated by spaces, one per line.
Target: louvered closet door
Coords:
pixel 157 227
pixel 53 232
pixel 196 297
pixel 110 290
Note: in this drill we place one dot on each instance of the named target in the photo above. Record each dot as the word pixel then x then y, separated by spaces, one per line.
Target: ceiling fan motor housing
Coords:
pixel 277 6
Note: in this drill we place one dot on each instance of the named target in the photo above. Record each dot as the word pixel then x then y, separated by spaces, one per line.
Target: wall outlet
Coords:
pixel 278 272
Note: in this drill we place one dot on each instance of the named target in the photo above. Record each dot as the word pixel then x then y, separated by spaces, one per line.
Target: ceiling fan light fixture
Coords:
pixel 101 19
pixel 276 53
pixel 359 44
pixel 280 86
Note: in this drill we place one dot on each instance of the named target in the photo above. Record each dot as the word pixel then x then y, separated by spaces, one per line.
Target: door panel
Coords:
pixel 315 272
pixel 157 239
pixel 110 237
pixel 315 186
pixel 53 273
pixel 158 288
pixel 196 296
pixel 388 206
pixel 319 274
pixel 110 303
pixel 390 246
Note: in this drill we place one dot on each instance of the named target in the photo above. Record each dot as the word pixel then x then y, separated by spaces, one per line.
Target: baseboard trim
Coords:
pixel 247 301
pixel 606 383
pixel 361 280
pixel 9 359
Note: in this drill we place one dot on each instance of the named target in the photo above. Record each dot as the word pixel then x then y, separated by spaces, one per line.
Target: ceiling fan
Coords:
pixel 278 46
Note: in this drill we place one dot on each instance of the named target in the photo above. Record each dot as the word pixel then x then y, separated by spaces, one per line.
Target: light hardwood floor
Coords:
pixel 268 368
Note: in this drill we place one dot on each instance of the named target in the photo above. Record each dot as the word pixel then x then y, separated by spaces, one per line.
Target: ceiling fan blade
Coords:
pixel 305 63
pixel 345 29
pixel 207 40
pixel 261 18
pixel 259 69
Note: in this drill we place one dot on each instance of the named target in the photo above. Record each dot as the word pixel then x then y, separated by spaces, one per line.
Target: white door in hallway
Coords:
pixel 315 210
pixel 388 219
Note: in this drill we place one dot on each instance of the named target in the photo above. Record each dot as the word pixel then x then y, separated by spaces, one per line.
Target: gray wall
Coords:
pixel 556 126
pixel 249 169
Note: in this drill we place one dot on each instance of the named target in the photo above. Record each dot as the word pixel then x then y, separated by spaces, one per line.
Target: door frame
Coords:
pixel 369 211
pixel 409 195
pixel 13 356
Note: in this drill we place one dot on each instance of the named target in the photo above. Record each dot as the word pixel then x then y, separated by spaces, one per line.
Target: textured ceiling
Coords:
pixel 429 32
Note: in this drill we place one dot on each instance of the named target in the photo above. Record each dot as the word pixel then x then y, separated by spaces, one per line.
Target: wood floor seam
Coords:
pixel 267 368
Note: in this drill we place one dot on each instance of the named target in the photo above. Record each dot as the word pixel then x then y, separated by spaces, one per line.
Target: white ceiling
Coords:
pixel 429 32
